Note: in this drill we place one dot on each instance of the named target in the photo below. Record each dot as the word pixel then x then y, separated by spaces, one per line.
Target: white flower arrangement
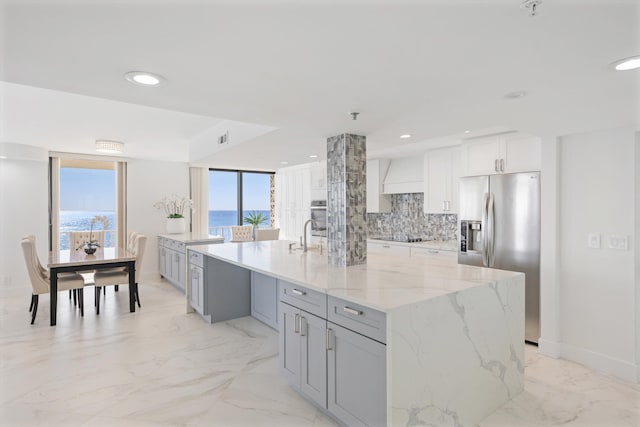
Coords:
pixel 105 225
pixel 174 206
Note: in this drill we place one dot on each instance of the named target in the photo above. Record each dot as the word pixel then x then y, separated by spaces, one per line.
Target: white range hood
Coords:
pixel 405 175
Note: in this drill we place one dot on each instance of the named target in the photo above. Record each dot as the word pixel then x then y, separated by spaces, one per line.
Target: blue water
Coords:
pixel 81 221
pixel 220 218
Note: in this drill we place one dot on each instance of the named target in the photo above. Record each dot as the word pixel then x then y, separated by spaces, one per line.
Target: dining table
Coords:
pixel 77 261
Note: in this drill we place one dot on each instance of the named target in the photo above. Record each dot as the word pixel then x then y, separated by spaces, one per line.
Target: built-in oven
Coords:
pixel 319 215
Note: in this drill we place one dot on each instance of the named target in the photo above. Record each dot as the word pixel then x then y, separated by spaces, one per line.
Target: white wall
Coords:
pixel 637 251
pixel 147 182
pixel 594 317
pixel 23 210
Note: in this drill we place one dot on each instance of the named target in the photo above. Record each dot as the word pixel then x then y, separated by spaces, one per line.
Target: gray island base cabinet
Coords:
pixel 172 256
pixel 399 341
pixel 341 371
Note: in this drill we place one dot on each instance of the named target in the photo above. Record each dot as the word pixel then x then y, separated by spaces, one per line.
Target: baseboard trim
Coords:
pixel 624 370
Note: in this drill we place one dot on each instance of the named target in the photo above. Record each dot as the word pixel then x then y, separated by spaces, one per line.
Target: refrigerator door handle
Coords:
pixel 485 231
pixel 491 222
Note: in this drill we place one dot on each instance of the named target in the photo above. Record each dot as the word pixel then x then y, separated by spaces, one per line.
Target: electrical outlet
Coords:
pixel 620 243
pixel 593 240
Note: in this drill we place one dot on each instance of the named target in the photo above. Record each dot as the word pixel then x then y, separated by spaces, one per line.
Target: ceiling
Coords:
pixel 282 75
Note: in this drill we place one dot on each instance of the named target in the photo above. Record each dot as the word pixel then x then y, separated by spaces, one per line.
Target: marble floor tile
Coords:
pixel 162 367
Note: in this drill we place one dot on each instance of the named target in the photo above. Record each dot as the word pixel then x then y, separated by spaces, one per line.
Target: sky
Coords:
pixel 223 188
pixel 94 190
pixel 87 189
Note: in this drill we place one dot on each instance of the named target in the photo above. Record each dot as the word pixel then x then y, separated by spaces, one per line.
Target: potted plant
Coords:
pixel 254 218
pixel 92 245
pixel 174 206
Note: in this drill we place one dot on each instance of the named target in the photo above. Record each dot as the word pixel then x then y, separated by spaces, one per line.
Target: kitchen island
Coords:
pixel 398 341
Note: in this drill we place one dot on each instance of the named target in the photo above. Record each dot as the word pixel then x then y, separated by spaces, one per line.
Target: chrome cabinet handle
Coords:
pixel 296 328
pixel 447 204
pixel 386 246
pixel 495 165
pixel 432 251
pixel 329 339
pixel 303 326
pixel 298 292
pixel 444 205
pixel 501 165
pixel 352 311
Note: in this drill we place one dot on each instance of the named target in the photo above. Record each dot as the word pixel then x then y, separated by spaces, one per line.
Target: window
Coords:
pixel 234 195
pixel 86 194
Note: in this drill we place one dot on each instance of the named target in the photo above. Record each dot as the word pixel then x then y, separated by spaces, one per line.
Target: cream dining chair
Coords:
pixel 241 233
pixel 39 277
pixel 120 276
pixel 267 234
pixel 76 241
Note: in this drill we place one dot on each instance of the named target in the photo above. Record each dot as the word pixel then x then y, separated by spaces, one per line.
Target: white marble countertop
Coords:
pixel 442 245
pixel 190 238
pixel 384 283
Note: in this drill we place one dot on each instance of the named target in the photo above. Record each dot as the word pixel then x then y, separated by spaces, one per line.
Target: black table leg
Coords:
pixel 53 298
pixel 132 286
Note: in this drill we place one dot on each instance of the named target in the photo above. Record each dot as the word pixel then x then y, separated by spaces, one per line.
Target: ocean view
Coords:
pixel 81 220
pixel 220 218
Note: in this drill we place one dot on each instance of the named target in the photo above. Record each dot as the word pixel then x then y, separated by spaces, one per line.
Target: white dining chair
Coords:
pixel 120 276
pixel 241 233
pixel 267 234
pixel 39 277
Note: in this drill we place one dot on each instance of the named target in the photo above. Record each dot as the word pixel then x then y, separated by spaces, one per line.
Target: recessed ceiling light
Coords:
pixel 467 131
pixel 405 136
pixel 111 147
pixel 284 163
pixel 516 95
pixel 144 78
pixel 3 157
pixel 627 63
pixel 313 156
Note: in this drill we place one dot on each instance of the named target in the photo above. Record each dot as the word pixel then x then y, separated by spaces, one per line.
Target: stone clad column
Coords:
pixel 346 200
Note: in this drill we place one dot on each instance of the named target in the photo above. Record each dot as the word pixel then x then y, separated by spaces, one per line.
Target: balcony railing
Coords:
pixel 109 238
pixel 221 230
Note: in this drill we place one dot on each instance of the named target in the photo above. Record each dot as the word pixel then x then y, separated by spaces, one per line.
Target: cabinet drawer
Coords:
pixel 389 249
pixel 196 258
pixel 364 320
pixel 178 246
pixel 306 299
pixel 448 257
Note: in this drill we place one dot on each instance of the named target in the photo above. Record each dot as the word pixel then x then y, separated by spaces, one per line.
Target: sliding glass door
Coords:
pixel 237 196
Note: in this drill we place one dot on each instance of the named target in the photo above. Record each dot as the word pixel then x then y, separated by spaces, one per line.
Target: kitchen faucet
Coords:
pixel 304 233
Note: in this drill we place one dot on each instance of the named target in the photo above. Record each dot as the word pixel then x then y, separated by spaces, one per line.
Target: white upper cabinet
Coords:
pixel 376 201
pixel 441 173
pixel 318 172
pixel 500 154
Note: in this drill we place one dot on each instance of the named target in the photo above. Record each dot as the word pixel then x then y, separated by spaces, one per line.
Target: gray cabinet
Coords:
pixel 172 258
pixel 264 299
pixel 356 378
pixel 196 282
pixel 303 355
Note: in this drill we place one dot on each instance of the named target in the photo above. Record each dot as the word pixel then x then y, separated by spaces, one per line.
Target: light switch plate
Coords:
pixel 620 243
pixel 593 240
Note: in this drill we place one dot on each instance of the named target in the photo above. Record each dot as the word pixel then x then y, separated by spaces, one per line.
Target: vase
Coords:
pixel 176 225
pixel 90 249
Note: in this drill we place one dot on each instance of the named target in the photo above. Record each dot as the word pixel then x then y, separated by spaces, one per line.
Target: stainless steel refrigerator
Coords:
pixel 500 228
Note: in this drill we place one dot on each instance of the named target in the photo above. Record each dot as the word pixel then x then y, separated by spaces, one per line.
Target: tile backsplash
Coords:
pixel 408 219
